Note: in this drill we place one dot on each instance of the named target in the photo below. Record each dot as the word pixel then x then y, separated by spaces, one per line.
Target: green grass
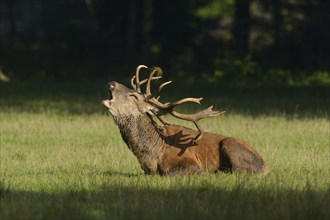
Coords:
pixel 62 158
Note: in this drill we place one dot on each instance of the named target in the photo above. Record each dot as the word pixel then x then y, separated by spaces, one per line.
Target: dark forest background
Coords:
pixel 216 41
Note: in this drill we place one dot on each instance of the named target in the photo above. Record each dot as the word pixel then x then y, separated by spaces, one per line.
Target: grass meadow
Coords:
pixel 62 157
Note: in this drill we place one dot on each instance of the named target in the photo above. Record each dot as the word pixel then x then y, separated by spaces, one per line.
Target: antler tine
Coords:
pixel 158 90
pixel 155 70
pixel 199 115
pixel 132 82
pixel 143 81
pixel 137 78
pixel 153 78
pixel 179 102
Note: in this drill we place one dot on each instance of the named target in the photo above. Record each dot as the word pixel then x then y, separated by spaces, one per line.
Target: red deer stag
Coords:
pixel 172 149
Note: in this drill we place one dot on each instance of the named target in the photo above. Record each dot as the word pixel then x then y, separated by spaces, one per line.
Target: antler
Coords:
pixel 168 108
pixel 162 109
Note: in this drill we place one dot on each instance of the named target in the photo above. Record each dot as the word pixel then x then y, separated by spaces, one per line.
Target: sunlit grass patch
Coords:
pixel 78 166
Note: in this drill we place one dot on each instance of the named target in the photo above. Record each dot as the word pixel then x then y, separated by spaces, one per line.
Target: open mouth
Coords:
pixel 110 95
pixel 109 101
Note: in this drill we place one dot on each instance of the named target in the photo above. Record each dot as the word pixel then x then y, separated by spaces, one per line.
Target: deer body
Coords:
pixel 170 149
pixel 174 149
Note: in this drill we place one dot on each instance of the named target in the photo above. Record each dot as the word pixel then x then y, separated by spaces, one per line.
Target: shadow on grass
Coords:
pixel 118 202
pixel 85 98
pixel 116 173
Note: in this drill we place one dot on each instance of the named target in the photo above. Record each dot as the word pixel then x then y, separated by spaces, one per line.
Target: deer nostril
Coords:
pixel 111 85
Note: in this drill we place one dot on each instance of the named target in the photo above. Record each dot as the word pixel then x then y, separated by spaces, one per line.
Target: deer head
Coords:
pixel 132 102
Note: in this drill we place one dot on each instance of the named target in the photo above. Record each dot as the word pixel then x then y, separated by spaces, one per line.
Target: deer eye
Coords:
pixel 135 96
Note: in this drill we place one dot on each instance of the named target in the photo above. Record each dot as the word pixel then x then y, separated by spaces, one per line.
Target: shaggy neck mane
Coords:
pixel 141 136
